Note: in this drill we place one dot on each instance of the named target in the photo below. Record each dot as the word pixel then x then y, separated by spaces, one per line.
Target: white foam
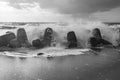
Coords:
pixel 47 52
pixel 52 52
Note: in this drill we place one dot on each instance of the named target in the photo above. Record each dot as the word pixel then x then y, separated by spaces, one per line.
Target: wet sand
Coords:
pixel 104 66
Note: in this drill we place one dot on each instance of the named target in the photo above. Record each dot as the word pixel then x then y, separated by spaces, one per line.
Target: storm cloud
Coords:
pixel 70 6
pixel 87 9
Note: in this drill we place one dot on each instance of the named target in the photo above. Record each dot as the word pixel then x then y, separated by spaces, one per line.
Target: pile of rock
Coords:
pixel 72 39
pixel 46 41
pixel 21 40
pixel 5 39
pixel 96 40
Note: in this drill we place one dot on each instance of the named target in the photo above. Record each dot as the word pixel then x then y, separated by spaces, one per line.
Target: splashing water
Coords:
pixel 82 30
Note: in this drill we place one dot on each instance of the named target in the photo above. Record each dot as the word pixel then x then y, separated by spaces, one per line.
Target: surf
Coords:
pixel 82 31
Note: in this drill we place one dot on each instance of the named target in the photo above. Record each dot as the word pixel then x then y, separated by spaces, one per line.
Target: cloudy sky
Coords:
pixel 59 10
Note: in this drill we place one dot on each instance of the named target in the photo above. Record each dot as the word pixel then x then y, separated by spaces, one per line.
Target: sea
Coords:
pixel 82 29
pixel 57 62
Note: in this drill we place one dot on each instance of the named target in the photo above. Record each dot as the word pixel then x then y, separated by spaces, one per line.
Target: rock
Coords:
pixel 72 40
pixel 40 54
pixel 96 33
pixel 48 36
pixel 14 44
pixel 22 36
pixel 5 39
pixel 21 40
pixel 37 43
pixel 94 42
pixel 97 40
pixel 26 44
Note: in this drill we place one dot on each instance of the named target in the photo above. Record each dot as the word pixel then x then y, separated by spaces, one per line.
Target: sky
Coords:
pixel 59 10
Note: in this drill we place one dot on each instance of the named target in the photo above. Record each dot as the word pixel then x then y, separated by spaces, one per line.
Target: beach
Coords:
pixel 103 66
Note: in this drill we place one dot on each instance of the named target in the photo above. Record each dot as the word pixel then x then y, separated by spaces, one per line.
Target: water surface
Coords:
pixel 104 66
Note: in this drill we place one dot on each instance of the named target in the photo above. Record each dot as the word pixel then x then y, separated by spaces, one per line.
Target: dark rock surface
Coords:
pixel 14 44
pixel 97 40
pixel 96 33
pixel 21 40
pixel 93 42
pixel 48 36
pixel 40 54
pixel 37 43
pixel 22 36
pixel 5 39
pixel 72 40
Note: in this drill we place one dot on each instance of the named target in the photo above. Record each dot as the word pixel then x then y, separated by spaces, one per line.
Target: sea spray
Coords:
pixel 81 28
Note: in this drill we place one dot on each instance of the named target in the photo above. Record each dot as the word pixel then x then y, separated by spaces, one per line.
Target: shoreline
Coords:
pixel 80 67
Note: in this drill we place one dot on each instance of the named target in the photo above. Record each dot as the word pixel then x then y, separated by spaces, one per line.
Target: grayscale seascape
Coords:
pixel 59 40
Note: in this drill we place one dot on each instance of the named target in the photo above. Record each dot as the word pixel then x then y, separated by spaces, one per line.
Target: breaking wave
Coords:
pixel 82 30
